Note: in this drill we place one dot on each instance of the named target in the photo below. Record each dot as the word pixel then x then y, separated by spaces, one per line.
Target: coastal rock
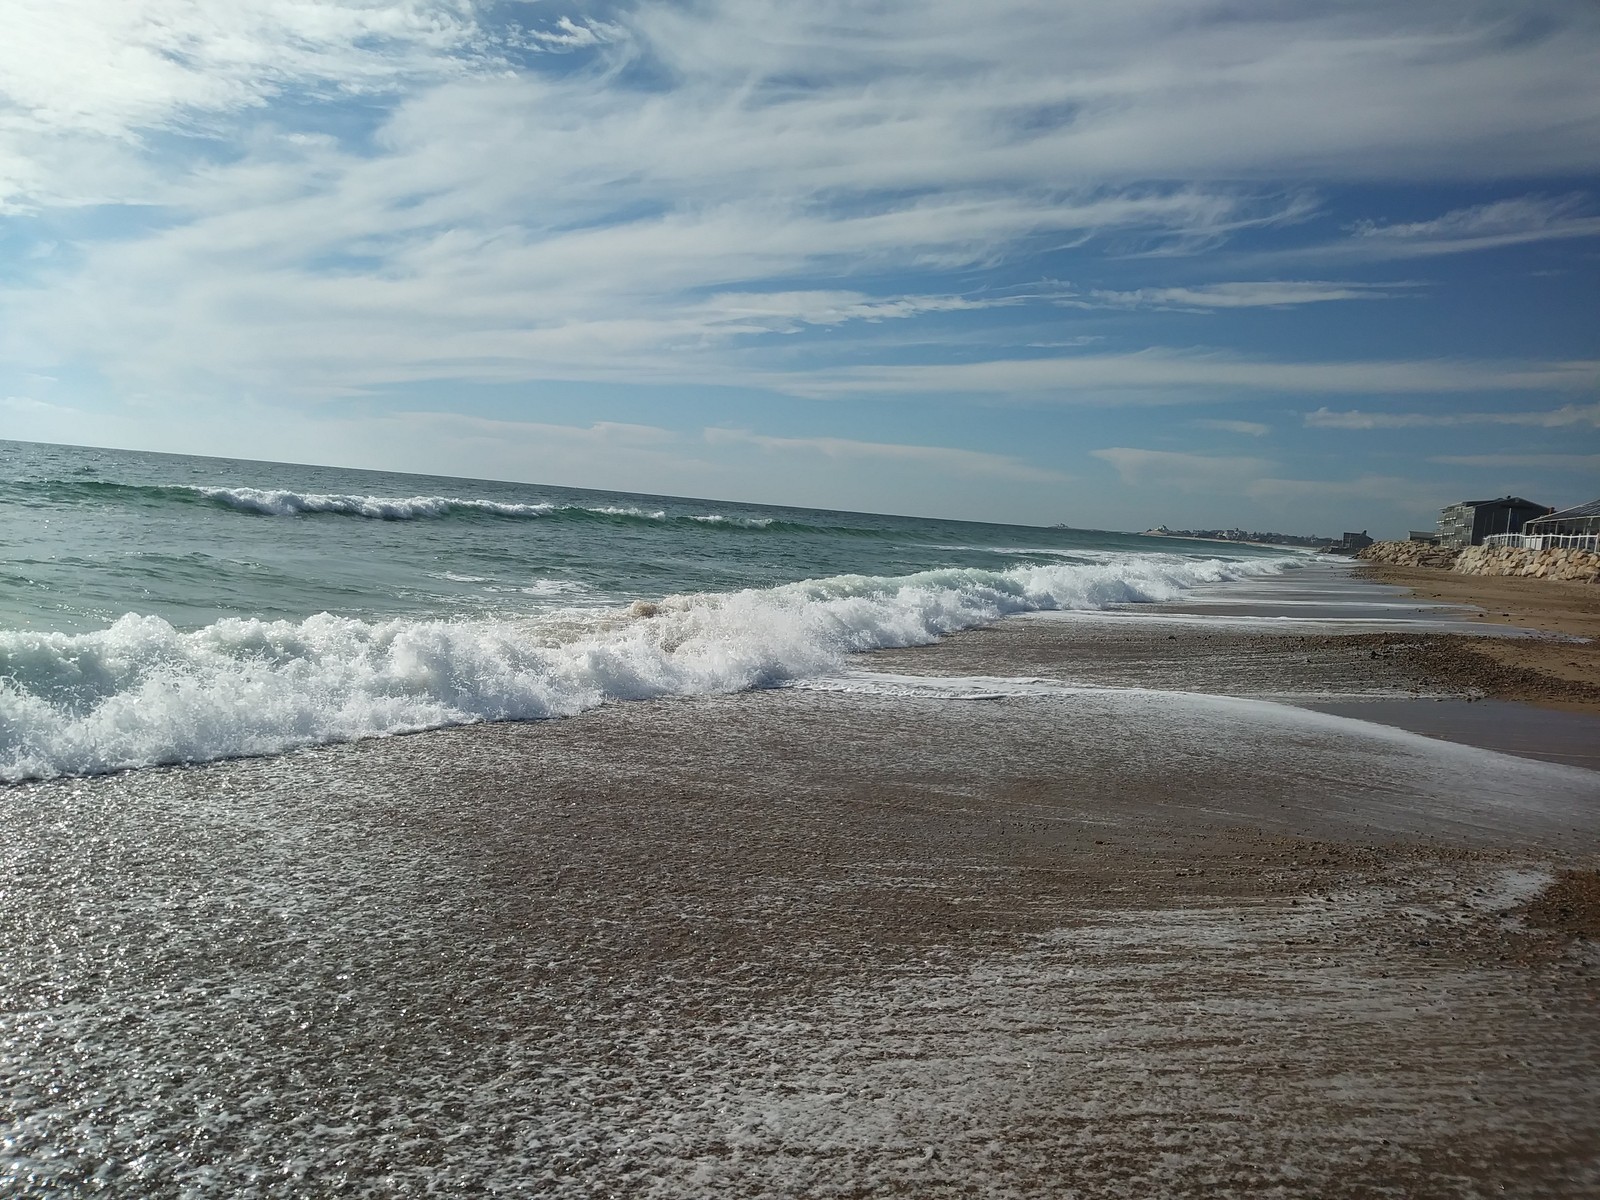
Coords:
pixel 1566 563
pixel 1409 554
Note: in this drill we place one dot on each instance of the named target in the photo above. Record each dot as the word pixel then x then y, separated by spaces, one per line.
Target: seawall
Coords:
pixel 1581 566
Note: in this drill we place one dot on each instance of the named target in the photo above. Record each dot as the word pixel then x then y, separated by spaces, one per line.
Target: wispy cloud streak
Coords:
pixel 1568 415
pixel 1179 375
pixel 1265 294
pixel 1482 227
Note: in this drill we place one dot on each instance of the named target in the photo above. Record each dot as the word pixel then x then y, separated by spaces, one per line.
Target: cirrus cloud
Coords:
pixel 1557 418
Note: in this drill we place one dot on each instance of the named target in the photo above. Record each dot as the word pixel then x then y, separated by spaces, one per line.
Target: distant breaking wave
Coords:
pixel 278 503
pixel 142 693
pixel 412 508
pixel 388 508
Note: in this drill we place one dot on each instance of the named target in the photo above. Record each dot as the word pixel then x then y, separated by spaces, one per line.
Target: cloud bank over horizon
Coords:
pixel 1021 261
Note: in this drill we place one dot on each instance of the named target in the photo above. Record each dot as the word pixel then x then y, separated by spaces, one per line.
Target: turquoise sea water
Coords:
pixel 163 608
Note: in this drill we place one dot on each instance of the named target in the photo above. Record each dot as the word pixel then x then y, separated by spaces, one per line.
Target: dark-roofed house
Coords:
pixel 1468 523
pixel 1581 520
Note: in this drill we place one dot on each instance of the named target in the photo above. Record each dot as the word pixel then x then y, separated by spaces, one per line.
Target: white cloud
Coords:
pixel 115 67
pixel 959 463
pixel 83 82
pixel 1482 227
pixel 761 312
pixel 1265 294
pixel 1246 428
pixel 1513 221
pixel 568 35
pixel 1169 376
pixel 1566 415
pixel 246 293
pixel 719 172
pixel 1382 494
pixel 1152 89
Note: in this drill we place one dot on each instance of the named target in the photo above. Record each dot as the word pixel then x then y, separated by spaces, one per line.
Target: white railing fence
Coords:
pixel 1545 541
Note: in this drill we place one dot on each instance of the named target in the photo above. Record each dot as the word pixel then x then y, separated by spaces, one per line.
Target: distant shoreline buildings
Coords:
pixel 1241 535
pixel 1505 520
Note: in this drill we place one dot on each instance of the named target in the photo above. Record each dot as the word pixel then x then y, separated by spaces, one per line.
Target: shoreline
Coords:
pixel 1546 605
pixel 1133 926
pixel 1551 671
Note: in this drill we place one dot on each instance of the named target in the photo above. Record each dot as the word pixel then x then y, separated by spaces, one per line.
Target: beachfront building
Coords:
pixel 1579 519
pixel 1350 543
pixel 1468 523
pixel 1578 526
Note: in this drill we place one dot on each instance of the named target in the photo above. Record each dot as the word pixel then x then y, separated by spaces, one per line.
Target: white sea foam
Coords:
pixel 384 508
pixel 941 687
pixel 1079 555
pixel 412 508
pixel 142 692
pixel 613 510
pixel 555 587
pixel 736 522
pixel 396 508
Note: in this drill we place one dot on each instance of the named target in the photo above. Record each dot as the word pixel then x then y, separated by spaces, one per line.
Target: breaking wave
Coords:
pixel 282 503
pixel 400 508
pixel 382 508
pixel 142 693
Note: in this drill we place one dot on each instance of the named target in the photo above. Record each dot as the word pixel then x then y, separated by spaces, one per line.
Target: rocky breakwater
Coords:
pixel 1581 566
pixel 1409 554
pixel 1569 563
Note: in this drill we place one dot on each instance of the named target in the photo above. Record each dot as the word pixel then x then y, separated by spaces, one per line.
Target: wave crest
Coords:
pixel 142 693
pixel 285 503
pixel 382 508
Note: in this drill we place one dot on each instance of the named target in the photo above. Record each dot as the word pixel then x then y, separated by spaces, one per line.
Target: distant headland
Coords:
pixel 1240 535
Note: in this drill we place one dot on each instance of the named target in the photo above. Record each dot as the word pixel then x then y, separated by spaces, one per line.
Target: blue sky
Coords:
pixel 1276 264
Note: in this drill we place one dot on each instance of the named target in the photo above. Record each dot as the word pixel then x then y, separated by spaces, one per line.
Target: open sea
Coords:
pixel 162 609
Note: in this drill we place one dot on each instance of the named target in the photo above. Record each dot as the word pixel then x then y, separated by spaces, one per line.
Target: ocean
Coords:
pixel 1084 901
pixel 159 609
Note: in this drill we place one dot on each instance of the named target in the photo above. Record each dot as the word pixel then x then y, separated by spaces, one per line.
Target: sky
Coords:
pixel 1279 264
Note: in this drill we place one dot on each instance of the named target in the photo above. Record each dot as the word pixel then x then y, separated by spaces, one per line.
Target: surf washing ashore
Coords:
pixel 752 851
pixel 151 615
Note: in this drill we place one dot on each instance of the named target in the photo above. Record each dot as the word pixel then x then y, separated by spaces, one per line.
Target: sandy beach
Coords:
pixel 1542 671
pixel 1077 905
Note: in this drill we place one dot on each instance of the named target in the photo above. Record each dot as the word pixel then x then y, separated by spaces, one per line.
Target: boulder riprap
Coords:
pixel 1567 562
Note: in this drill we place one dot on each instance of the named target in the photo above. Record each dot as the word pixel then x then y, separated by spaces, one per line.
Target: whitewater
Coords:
pixel 153 615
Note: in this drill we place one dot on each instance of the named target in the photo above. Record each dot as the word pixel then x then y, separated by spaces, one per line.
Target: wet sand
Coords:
pixel 1551 605
pixel 1068 907
pixel 1548 670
